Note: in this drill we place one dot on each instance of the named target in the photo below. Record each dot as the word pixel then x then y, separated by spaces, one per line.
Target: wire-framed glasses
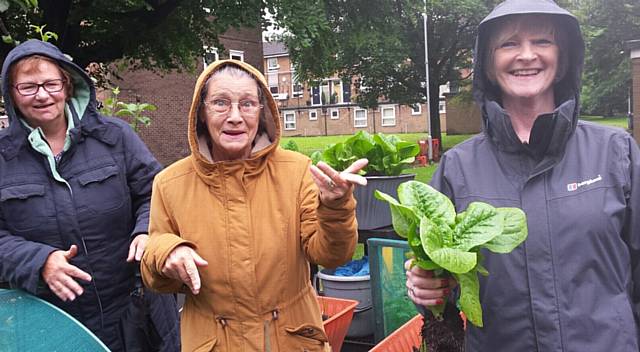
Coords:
pixel 50 86
pixel 223 106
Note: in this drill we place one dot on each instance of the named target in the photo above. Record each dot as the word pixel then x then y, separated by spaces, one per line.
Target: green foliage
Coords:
pixel 607 26
pixel 387 154
pixel 291 145
pixel 158 35
pixel 44 36
pixel 382 43
pixel 133 111
pixel 446 242
pixel 22 6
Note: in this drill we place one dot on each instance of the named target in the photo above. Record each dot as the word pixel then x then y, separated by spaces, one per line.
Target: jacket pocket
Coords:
pixel 100 189
pixel 207 346
pixel 24 206
pixel 306 337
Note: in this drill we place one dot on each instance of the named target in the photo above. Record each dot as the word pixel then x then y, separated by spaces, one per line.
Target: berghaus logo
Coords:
pixel 574 186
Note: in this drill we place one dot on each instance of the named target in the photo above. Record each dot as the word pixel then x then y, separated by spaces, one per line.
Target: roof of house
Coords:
pixel 274 49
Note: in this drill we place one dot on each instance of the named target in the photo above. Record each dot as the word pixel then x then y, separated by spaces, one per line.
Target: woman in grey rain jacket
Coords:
pixel 574 283
pixel 75 188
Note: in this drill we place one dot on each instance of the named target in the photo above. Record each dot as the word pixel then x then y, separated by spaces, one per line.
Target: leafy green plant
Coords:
pixel 388 155
pixel 44 36
pixel 134 111
pixel 450 243
pixel 291 145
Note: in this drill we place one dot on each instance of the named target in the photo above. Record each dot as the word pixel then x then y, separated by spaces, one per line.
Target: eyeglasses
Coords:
pixel 223 106
pixel 50 86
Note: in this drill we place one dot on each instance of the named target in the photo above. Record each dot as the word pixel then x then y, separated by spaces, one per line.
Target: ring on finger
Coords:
pixel 331 184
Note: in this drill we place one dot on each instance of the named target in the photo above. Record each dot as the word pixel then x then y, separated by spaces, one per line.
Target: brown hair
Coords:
pixel 32 62
pixel 501 30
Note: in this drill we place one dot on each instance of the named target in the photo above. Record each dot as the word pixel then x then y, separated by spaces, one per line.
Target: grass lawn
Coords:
pixel 308 145
pixel 622 122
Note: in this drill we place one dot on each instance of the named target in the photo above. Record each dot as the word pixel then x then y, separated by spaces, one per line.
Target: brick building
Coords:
pixel 634 45
pixel 172 92
pixel 329 108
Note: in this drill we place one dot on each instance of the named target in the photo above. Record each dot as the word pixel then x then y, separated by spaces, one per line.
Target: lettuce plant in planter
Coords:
pixel 388 155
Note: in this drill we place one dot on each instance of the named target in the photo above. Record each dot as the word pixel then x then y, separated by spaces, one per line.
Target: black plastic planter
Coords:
pixel 371 212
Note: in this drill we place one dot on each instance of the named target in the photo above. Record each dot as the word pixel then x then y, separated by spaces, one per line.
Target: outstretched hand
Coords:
pixel 182 264
pixel 335 185
pixel 61 276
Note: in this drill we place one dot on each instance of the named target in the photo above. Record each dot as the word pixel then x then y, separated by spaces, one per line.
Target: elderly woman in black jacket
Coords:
pixel 74 196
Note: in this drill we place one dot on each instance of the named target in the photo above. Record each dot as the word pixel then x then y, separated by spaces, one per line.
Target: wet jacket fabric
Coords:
pixel 258 222
pixel 573 285
pixel 96 197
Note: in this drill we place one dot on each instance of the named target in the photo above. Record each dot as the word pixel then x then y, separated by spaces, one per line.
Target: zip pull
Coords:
pixel 222 321
pixel 274 314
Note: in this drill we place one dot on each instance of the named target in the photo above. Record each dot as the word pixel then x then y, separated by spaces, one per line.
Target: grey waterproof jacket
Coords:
pixel 574 284
pixel 96 197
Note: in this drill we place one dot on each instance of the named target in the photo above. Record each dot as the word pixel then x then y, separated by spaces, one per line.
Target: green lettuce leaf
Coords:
pixel 513 233
pixel 426 201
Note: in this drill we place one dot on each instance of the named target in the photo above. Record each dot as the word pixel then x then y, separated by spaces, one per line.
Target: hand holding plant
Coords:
pixel 446 242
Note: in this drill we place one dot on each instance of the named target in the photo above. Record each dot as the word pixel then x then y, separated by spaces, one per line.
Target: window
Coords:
pixel 416 109
pixel 442 106
pixel 313 115
pixel 388 115
pixel 335 114
pixel 290 120
pixel 296 88
pixel 210 55
pixel 236 55
pixel 325 93
pixel 272 79
pixel 336 92
pixel 272 64
pixel 359 118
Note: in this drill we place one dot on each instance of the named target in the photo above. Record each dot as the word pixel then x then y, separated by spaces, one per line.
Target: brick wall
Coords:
pixel 166 137
pixel 462 117
pixel 405 122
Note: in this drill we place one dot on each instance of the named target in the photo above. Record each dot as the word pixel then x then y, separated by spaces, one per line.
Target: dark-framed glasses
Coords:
pixel 223 106
pixel 50 86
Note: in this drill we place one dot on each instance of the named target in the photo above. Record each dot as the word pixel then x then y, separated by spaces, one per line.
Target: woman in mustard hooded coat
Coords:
pixel 238 221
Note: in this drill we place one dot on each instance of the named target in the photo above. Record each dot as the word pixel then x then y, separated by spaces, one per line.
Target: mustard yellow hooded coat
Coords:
pixel 258 222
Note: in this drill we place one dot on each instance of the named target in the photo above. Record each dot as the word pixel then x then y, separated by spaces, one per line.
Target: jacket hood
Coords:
pixel 266 140
pixel 567 89
pixel 84 95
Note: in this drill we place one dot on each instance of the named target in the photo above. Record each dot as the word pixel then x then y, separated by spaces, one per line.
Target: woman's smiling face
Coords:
pixel 43 108
pixel 525 60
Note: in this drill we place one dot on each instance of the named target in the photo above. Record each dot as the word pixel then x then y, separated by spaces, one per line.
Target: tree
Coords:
pixel 156 34
pixel 607 26
pixel 382 42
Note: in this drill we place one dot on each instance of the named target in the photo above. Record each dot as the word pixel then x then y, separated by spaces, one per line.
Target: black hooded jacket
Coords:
pixel 96 197
pixel 574 284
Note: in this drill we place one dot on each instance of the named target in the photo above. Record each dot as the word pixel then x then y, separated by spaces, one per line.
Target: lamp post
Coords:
pixel 426 82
